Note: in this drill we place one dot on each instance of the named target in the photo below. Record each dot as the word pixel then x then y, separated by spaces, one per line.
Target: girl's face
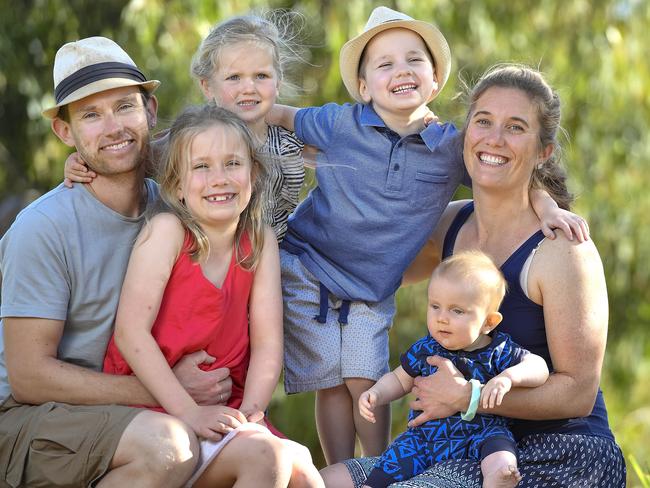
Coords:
pixel 244 82
pixel 502 140
pixel 216 184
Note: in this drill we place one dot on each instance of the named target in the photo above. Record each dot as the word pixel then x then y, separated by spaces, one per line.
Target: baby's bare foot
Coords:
pixel 506 477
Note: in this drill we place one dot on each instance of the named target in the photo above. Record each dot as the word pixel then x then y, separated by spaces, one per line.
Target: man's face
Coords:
pixel 110 130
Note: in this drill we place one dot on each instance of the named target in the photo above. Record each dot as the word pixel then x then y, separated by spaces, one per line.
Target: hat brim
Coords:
pixel 98 87
pixel 350 54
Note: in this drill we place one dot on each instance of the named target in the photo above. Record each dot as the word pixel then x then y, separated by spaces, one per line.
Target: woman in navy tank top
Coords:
pixel 556 305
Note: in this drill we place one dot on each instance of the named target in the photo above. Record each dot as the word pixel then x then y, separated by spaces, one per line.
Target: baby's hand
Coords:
pixel 367 403
pixel 494 391
pixel 213 421
pixel 75 170
pixel 568 222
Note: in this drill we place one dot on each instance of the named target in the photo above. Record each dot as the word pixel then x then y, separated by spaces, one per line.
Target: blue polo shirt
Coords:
pixel 378 198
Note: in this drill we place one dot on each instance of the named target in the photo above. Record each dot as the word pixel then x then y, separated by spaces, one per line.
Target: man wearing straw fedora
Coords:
pixel 62 421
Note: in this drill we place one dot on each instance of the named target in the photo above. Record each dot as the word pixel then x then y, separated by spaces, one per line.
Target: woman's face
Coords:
pixel 501 145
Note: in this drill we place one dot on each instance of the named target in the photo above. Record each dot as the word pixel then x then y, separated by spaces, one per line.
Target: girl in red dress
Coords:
pixel 204 274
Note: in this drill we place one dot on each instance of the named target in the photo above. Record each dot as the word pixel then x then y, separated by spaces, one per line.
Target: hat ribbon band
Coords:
pixel 93 73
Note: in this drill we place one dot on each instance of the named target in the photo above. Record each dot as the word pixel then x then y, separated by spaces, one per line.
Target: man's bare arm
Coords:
pixel 37 376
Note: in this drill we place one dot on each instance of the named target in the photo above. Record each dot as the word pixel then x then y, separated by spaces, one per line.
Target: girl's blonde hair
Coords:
pixel 192 121
pixel 276 29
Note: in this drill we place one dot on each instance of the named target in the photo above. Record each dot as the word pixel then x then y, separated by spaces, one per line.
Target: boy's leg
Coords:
pixel 335 423
pixel 364 359
pixel 374 437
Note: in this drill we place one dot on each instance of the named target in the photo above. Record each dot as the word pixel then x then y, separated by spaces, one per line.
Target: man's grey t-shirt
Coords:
pixel 64 258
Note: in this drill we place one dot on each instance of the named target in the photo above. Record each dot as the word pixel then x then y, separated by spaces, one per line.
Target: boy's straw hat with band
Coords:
pixel 381 19
pixel 96 64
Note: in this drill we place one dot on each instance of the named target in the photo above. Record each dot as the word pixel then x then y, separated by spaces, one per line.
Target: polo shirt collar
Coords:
pixel 369 117
pixel 435 133
pixel 431 135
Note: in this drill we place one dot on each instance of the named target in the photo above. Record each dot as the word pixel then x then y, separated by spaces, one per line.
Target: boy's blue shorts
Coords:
pixel 321 355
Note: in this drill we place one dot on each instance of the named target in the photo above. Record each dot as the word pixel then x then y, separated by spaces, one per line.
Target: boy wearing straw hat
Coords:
pixel 62 262
pixel 383 181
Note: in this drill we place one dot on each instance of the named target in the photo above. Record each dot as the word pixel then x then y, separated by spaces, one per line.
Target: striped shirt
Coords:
pixel 286 174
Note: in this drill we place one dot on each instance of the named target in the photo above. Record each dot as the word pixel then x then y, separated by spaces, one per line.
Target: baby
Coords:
pixel 465 292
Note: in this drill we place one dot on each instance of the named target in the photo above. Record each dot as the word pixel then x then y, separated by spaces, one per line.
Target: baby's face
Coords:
pixel 397 72
pixel 457 314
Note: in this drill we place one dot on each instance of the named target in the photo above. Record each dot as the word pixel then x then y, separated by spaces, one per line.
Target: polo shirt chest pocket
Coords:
pixel 430 190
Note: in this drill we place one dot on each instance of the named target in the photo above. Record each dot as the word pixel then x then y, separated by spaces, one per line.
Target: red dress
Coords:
pixel 196 315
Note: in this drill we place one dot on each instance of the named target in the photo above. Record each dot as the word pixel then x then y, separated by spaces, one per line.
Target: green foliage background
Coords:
pixel 595 52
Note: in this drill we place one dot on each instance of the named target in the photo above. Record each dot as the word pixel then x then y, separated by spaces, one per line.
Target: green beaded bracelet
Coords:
pixel 473 402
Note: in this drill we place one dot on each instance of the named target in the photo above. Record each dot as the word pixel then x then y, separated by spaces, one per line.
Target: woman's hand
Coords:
pixel 441 394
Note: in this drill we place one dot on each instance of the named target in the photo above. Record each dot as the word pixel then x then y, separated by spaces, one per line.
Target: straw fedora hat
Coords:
pixel 381 19
pixel 83 68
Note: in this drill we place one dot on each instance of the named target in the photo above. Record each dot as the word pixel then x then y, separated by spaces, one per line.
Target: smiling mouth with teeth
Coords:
pixel 120 145
pixel 404 88
pixel 492 160
pixel 247 103
pixel 220 198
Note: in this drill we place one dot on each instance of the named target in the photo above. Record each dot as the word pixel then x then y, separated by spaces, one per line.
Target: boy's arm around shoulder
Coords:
pixel 266 337
pixel 552 217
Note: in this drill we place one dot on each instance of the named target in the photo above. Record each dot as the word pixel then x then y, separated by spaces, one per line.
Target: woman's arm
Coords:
pixel 265 315
pixel 567 279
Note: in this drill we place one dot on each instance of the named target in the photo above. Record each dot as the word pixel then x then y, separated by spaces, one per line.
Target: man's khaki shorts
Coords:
pixel 56 444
